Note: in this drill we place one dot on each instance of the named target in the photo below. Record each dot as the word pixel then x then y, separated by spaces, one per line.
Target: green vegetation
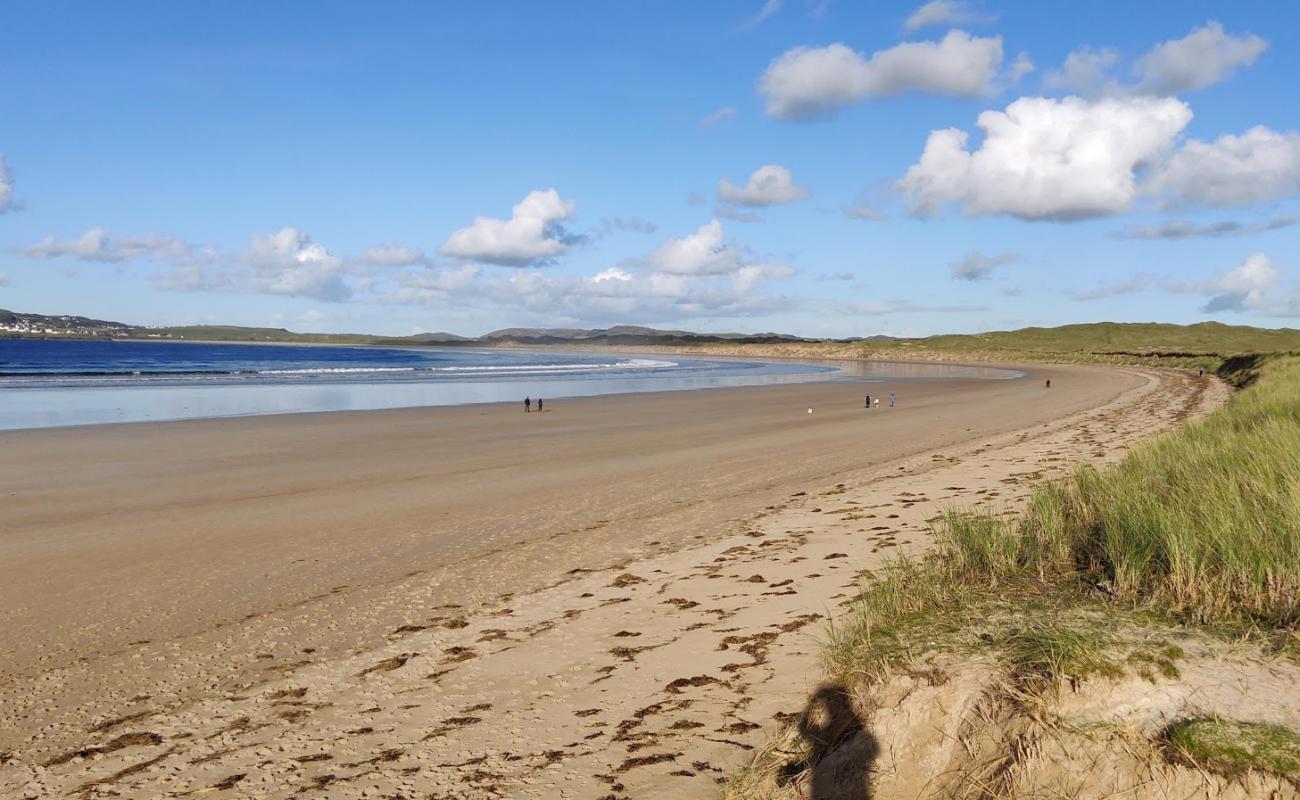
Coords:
pixel 235 333
pixel 1198 527
pixel 1233 747
pixel 1204 345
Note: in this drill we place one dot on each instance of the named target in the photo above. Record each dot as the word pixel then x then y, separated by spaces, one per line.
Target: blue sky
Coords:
pixel 404 167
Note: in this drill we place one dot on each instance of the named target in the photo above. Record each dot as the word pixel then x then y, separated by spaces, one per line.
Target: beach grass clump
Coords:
pixel 1041 652
pixel 1232 747
pixel 1203 522
pixel 1200 526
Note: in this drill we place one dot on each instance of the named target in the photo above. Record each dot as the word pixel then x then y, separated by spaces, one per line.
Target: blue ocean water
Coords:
pixel 45 383
pixel 76 382
pixel 85 363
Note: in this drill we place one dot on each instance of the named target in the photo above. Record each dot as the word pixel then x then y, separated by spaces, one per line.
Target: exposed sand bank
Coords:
pixel 293 549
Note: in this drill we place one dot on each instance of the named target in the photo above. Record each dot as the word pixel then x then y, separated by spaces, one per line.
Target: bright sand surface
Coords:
pixel 215 590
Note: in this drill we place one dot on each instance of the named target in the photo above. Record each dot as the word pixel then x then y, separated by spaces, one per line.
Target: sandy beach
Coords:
pixel 475 602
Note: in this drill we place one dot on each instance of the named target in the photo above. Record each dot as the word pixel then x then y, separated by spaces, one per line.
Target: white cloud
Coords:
pixel 289 262
pixel 286 262
pixel 616 294
pixel 1205 56
pixel 769 185
pixel 977 267
pixel 1086 71
pixel 4 279
pixel 1183 229
pixel 726 112
pixel 531 235
pixel 612 274
pixel 696 199
pixel 1259 165
pixel 97 245
pixel 6 186
pixel 944 12
pixel 392 255
pixel 704 252
pixel 810 82
pixel 1047 159
pixel 1248 287
pixel 769 8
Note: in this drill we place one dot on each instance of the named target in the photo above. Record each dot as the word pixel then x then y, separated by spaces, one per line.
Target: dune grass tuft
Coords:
pixel 1232 747
pixel 1200 526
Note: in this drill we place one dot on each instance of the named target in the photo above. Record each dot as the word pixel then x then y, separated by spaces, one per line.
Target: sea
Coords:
pixel 60 382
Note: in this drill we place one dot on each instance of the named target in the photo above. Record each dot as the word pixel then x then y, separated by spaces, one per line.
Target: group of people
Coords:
pixel 528 404
pixel 892 399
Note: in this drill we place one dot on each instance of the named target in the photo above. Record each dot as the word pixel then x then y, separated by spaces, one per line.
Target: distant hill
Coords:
pixel 16 324
pixel 1115 338
pixel 1147 342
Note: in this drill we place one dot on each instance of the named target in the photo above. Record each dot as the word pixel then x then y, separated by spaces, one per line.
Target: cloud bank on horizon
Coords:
pixel 995 193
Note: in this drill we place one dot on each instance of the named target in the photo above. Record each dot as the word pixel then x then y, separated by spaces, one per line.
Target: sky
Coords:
pixel 817 167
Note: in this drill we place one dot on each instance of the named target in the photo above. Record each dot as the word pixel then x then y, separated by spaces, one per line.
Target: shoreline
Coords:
pixel 361 395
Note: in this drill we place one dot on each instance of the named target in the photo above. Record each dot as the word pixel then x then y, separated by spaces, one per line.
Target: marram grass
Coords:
pixel 1201 524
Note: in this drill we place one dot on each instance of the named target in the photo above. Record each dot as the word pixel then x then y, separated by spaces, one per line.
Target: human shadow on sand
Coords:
pixel 841 750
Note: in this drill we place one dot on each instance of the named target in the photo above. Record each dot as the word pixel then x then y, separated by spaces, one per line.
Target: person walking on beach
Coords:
pixel 877 404
pixel 528 405
pixel 868 401
pixel 539 404
pixel 892 398
pixel 1049 383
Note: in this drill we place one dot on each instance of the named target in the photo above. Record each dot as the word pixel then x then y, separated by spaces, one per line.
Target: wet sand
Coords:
pixel 178 561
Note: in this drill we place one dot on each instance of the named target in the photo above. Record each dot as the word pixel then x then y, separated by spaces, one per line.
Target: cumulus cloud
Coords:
pixel 704 252
pixel 977 267
pixel 391 255
pixel 1086 71
pixel 1203 57
pixel 6 186
pixel 289 262
pixel 1248 287
pixel 1138 284
pixel 1259 165
pixel 286 262
pixel 944 12
pixel 769 185
pixel 1206 56
pixel 532 235
pixel 621 293
pixel 726 112
pixel 1182 229
pixel 97 245
pixel 1046 158
pixel 809 82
